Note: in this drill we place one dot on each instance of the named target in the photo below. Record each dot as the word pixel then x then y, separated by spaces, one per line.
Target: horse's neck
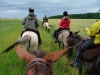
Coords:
pixel 78 42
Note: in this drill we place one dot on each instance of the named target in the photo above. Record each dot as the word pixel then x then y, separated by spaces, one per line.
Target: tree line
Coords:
pixel 79 16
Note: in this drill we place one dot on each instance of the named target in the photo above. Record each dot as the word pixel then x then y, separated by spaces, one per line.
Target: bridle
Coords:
pixel 34 62
pixel 71 40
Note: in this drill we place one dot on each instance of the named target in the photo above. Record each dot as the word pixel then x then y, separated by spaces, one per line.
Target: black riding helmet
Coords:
pixel 65 13
pixel 31 9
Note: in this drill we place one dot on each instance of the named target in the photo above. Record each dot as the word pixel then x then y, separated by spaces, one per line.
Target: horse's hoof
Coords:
pixel 56 41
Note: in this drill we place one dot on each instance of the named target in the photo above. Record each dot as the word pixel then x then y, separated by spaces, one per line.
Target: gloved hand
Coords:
pixel 86 29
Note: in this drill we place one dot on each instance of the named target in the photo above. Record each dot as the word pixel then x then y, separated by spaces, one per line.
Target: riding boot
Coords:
pixel 56 39
pixel 77 61
pixel 39 38
pixel 22 33
pixel 54 35
pixel 39 41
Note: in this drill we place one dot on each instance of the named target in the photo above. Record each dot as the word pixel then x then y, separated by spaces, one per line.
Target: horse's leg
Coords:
pixel 69 52
pixel 98 64
pixel 59 45
pixel 26 46
pixel 64 43
pixel 80 71
pixel 46 29
pixel 34 49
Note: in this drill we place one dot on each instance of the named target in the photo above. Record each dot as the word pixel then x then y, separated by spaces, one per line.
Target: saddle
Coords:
pixel 91 53
pixel 30 30
pixel 62 31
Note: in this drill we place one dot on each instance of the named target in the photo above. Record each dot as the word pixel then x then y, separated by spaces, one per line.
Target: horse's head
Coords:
pixel 39 64
pixel 74 39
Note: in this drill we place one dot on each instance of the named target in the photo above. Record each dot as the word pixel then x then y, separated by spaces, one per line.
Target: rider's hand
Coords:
pixel 86 29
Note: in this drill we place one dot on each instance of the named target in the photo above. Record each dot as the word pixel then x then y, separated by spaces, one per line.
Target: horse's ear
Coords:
pixel 77 32
pixel 70 33
pixel 23 54
pixel 53 57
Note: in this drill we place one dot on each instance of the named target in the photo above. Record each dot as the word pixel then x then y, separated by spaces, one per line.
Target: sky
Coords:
pixel 19 8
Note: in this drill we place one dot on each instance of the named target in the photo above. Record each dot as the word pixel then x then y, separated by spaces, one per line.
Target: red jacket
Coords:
pixel 65 23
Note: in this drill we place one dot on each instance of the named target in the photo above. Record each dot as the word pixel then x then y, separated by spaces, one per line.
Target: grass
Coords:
pixel 11 64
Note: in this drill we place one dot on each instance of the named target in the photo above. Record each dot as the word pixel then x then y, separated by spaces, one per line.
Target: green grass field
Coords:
pixel 10 29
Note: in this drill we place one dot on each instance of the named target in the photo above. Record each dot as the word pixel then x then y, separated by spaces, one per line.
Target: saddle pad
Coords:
pixel 91 53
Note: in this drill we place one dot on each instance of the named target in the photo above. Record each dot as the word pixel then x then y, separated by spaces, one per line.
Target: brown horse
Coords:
pixel 39 63
pixel 90 57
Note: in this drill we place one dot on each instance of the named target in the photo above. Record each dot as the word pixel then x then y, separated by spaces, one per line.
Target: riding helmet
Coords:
pixel 31 9
pixel 65 13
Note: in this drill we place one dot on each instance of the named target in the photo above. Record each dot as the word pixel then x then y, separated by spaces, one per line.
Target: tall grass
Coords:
pixel 10 29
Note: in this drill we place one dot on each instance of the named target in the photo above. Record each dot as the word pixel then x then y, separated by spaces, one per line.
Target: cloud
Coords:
pixel 16 8
pixel 12 11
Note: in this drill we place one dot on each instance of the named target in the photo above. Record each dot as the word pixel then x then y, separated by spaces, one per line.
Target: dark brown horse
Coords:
pixel 90 57
pixel 39 63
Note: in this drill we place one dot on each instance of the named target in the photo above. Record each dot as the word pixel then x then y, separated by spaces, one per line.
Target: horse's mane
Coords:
pixel 39 53
pixel 76 35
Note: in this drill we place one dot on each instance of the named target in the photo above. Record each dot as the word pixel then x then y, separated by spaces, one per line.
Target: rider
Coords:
pixel 45 19
pixel 31 23
pixel 64 24
pixel 94 33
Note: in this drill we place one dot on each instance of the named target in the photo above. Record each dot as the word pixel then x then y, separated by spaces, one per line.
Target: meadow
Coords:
pixel 10 30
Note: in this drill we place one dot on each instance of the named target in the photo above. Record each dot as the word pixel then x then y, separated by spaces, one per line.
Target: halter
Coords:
pixel 34 62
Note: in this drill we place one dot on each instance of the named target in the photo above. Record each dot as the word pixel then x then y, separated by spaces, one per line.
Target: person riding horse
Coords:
pixel 31 23
pixel 64 24
pixel 45 19
pixel 94 34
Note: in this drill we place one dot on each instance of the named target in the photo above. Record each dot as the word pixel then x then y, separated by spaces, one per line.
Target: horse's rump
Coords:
pixel 46 25
pixel 33 35
pixel 62 35
pixel 32 42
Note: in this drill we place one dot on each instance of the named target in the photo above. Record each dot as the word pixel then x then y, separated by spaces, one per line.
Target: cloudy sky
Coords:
pixel 19 8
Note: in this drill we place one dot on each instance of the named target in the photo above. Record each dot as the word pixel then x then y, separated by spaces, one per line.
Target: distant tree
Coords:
pixel 79 16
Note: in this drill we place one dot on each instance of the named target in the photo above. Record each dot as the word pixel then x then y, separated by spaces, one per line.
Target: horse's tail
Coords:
pixel 19 41
pixel 48 26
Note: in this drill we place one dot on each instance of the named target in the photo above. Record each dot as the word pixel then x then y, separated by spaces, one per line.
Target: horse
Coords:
pixel 29 39
pixel 46 26
pixel 62 37
pixel 90 57
pixel 39 63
